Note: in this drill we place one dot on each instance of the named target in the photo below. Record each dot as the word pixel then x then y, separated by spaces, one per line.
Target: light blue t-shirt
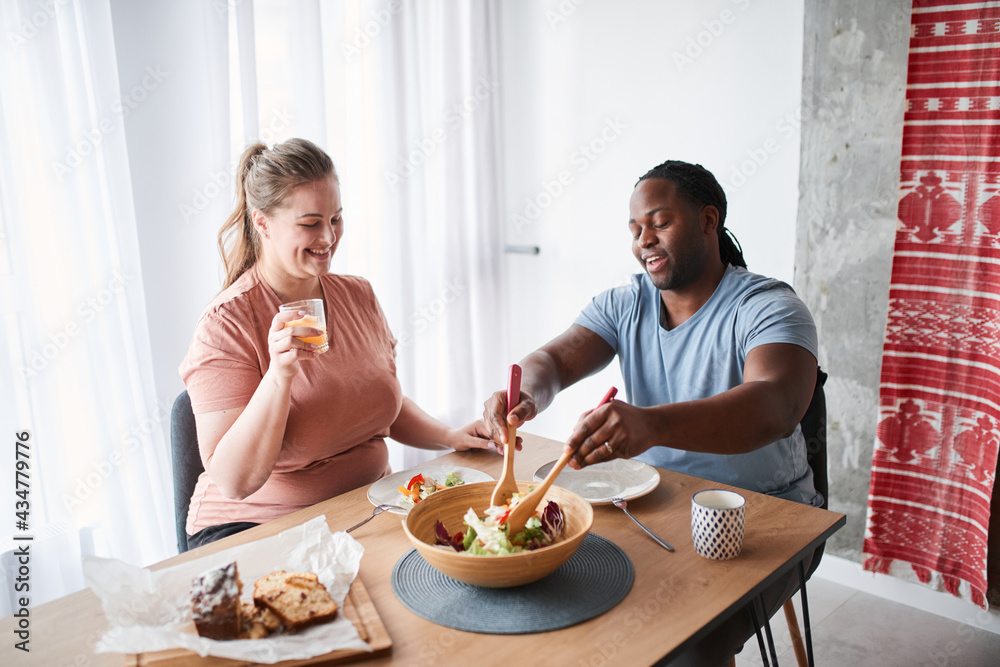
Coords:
pixel 703 357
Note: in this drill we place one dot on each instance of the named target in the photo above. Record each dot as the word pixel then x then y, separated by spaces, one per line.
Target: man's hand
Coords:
pixel 616 430
pixel 563 361
pixel 497 420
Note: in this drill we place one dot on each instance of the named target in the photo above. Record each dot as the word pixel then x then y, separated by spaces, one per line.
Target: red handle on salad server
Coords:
pixel 608 396
pixel 513 387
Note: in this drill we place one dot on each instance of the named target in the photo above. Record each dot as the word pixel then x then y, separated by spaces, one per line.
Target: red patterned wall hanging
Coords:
pixel 939 401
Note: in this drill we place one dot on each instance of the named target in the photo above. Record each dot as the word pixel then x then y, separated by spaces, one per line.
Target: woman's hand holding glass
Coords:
pixel 285 345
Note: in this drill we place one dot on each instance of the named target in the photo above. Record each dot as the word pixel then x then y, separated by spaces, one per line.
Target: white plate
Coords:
pixel 600 482
pixel 386 490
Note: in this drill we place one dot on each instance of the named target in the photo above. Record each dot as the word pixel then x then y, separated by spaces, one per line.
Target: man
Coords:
pixel 719 363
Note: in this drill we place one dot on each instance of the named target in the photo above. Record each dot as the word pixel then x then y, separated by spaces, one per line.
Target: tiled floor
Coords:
pixel 855 629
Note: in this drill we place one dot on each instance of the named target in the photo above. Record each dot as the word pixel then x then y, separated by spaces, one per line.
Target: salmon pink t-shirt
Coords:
pixel 342 402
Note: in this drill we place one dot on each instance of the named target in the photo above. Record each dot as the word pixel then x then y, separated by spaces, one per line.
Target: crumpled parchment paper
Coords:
pixel 151 611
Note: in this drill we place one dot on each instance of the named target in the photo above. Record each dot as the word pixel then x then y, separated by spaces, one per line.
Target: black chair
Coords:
pixel 814 430
pixel 186 462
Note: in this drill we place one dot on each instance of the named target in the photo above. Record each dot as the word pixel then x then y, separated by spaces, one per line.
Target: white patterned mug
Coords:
pixel 717 522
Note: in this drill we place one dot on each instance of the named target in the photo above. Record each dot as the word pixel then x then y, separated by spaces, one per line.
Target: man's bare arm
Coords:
pixel 573 355
pixel 778 382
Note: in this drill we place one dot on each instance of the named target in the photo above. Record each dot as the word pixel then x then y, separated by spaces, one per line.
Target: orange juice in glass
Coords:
pixel 315 317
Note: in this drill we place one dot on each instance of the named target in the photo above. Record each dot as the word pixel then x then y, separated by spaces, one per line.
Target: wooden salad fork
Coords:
pixel 507 486
pixel 523 510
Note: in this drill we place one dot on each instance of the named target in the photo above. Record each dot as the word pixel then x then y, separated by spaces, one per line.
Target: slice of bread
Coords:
pixel 299 599
pixel 259 622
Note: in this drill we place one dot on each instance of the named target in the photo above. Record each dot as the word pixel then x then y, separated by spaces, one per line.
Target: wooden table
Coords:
pixel 676 598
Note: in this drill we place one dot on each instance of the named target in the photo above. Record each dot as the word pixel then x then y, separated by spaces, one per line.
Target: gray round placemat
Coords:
pixel 595 578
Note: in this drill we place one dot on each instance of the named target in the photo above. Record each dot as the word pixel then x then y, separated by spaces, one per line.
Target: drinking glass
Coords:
pixel 315 316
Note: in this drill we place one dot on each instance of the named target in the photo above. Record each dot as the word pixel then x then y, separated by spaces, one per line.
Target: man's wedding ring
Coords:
pixel 608 445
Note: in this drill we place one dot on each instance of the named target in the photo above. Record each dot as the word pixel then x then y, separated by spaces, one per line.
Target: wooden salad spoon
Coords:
pixel 507 486
pixel 524 509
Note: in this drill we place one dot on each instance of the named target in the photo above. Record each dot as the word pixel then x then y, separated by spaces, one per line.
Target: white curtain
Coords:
pixel 76 368
pixel 404 96
pixel 408 109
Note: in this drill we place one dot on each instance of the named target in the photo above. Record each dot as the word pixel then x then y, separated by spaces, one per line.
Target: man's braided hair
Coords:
pixel 698 186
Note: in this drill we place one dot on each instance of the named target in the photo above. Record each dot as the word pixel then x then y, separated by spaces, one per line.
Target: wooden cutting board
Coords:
pixel 358 609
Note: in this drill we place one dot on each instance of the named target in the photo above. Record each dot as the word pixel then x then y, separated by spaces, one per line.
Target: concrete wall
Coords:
pixel 853 93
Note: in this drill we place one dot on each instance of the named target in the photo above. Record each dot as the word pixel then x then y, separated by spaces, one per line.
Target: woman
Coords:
pixel 281 426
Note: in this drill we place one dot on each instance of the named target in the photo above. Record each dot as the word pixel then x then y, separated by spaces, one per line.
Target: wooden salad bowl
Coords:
pixel 450 505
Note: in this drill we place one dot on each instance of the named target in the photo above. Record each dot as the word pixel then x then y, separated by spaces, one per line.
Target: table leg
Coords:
pixel 805 615
pixel 756 628
pixel 767 630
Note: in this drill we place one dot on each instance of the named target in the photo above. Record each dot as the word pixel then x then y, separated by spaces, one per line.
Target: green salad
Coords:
pixel 487 535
